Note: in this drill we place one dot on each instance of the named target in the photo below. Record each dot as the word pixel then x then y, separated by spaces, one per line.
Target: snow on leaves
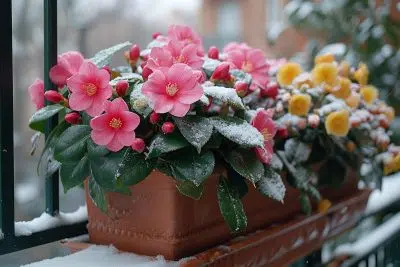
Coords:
pixel 272 185
pixel 225 95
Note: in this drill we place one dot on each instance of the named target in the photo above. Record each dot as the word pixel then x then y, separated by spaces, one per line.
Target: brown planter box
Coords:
pixel 157 219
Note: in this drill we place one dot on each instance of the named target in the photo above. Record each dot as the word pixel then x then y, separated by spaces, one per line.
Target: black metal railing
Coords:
pixel 9 242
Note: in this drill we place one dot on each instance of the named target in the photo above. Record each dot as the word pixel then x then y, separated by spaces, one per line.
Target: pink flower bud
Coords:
pixel 213 52
pixel 167 127
pixel 154 118
pixel 241 88
pixel 108 69
pixel 155 35
pixel 53 96
pixel 221 72
pixel 282 132
pixel 138 145
pixel 122 87
pixel 72 118
pixel 271 90
pixel 134 52
pixel 313 120
pixel 146 72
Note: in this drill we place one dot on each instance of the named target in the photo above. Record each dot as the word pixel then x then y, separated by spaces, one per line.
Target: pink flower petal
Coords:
pixel 96 108
pixel 36 92
pixel 88 70
pixel 264 155
pixel 103 137
pixel 237 57
pixel 179 109
pixel 130 121
pixel 74 59
pixel 125 138
pixel 59 75
pixel 115 145
pixel 101 122
pixel 103 78
pixel 75 82
pixel 163 104
pixel 80 101
pixel 190 96
pixel 116 106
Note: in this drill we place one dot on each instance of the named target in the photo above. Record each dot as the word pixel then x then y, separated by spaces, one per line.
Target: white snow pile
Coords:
pixel 46 221
pixel 102 256
pixel 382 198
pixel 371 240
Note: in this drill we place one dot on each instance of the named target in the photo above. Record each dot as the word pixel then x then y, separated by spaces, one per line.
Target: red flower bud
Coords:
pixel 282 132
pixel 134 52
pixel 154 118
pixel 146 72
pixel 138 145
pixel 155 35
pixel 53 96
pixel 107 68
pixel 72 118
pixel 167 127
pixel 122 87
pixel 271 90
pixel 213 52
pixel 221 72
pixel 241 88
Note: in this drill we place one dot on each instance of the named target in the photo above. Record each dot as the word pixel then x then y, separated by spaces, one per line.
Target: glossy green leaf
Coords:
pixel 166 143
pixel 133 168
pixel 97 194
pixel 73 174
pixel 71 145
pixel 189 189
pixel 95 151
pixel 230 206
pixel 271 185
pixel 305 204
pixel 38 120
pixel 103 57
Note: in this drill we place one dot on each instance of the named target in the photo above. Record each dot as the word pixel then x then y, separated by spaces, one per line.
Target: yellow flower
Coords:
pixel 325 73
pixel 369 93
pixel 287 72
pixel 344 68
pixel 361 74
pixel 392 166
pixel 343 90
pixel 337 123
pixel 353 100
pixel 300 104
pixel 324 205
pixel 390 114
pixel 325 58
pixel 303 81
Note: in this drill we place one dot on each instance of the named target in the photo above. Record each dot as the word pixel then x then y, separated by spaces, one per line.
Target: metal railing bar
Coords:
pixel 6 122
pixel 50 59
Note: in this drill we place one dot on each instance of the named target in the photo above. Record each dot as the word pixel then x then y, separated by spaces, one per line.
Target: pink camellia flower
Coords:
pixel 159 57
pixel 251 61
pixel 173 89
pixel 232 46
pixel 266 126
pixel 36 91
pixel 116 127
pixel 186 36
pixel 67 65
pixel 90 89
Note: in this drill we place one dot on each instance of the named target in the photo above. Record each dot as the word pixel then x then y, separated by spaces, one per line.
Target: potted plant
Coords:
pixel 178 142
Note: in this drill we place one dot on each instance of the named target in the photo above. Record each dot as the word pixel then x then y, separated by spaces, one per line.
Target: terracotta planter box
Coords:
pixel 157 219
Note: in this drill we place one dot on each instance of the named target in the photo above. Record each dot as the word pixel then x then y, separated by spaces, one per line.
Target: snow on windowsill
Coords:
pixel 46 221
pixel 103 256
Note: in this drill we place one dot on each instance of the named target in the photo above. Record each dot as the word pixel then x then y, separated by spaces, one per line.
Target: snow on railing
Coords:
pixel 389 193
pixel 46 221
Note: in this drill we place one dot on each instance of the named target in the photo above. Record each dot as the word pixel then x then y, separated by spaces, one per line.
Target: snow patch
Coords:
pixel 26 192
pixel 46 221
pixel 370 241
pixel 1 235
pixel 299 241
pixel 384 197
pixel 313 235
pixel 102 256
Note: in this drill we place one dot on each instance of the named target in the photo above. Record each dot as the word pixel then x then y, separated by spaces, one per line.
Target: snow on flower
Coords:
pixel 90 89
pixel 115 128
pixel 173 89
pixel 68 64
pixel 36 92
pixel 251 61
pixel 325 74
pixel 266 126
pixel 186 36
pixel 343 90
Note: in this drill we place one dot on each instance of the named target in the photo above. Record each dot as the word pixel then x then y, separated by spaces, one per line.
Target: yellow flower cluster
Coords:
pixel 337 123
pixel 300 104
pixel 392 166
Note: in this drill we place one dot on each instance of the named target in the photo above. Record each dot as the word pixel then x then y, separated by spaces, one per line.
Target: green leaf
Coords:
pixel 305 204
pixel 271 185
pixel 133 168
pixel 197 130
pixel 103 57
pixel 71 145
pixel 313 192
pixel 225 95
pixel 193 167
pixel 96 151
pixel 97 195
pixel 189 189
pixel 74 173
pixel 332 172
pixel 139 102
pixel 238 131
pixel 130 78
pixel 238 182
pixel 230 206
pixel 166 143
pixel 209 65
pixel 48 150
pixel 38 120
pixel 245 163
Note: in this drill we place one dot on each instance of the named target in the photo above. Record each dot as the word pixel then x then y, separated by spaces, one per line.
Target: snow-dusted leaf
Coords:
pixel 204 100
pixel 271 185
pixel 238 131
pixel 35 141
pixel 139 102
pixel 209 65
pixel 166 143
pixel 276 163
pixel 103 57
pixel 189 189
pixel 241 76
pixel 71 145
pixel 130 77
pixel 97 195
pixel 38 120
pixel 245 163
pixel 197 130
pixel 225 95
pixel 297 151
pixel 230 206
pixel 305 204
pixel 133 168
pixel 73 174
